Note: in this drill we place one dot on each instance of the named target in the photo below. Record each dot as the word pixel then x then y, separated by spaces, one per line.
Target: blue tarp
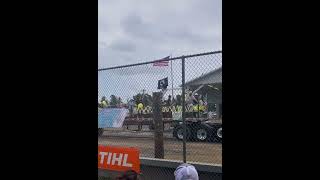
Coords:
pixel 111 117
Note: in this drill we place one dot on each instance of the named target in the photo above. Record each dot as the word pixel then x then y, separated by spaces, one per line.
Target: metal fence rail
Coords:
pixel 185 123
pixel 156 169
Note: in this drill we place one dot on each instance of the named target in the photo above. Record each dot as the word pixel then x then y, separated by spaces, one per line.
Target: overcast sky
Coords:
pixel 132 31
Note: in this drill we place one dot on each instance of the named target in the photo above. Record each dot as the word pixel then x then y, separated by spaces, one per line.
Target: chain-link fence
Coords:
pixel 189 102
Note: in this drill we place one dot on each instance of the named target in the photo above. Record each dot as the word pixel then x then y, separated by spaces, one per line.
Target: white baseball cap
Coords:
pixel 186 172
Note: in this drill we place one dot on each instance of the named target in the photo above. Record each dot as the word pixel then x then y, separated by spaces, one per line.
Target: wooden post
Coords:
pixel 158 124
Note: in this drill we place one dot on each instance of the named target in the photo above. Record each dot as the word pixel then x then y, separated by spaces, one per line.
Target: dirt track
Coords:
pixel 196 151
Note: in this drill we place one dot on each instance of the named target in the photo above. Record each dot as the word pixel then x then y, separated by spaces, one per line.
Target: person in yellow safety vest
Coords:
pixel 198 105
pixel 104 102
pixel 195 102
pixel 140 108
pixel 202 107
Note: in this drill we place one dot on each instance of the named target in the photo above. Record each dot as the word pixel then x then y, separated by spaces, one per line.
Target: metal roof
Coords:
pixel 211 73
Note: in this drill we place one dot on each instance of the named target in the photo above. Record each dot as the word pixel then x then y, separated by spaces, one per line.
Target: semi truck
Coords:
pixel 199 130
pixel 204 128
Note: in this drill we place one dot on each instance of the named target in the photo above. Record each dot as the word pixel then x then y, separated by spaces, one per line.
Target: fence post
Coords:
pixel 158 131
pixel 184 111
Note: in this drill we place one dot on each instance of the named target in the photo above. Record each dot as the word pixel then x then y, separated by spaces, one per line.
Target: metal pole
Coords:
pixel 183 112
pixel 198 107
pixel 171 81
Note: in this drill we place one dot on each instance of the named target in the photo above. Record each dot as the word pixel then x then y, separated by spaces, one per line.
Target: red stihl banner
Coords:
pixel 118 158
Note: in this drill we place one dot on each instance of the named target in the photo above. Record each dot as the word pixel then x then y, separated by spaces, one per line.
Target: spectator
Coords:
pixel 196 105
pixel 131 106
pixel 140 109
pixel 195 98
pixel 174 102
pixel 169 101
pixel 129 175
pixel 202 104
pixel 188 97
pixel 119 103
pixel 104 102
pixel 186 172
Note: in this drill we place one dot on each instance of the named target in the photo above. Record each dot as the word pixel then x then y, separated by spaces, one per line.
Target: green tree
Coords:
pixel 113 100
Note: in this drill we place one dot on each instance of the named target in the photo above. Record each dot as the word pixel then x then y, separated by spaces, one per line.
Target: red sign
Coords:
pixel 118 158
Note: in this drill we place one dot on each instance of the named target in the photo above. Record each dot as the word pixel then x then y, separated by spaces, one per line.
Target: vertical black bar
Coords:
pixel 171 81
pixel 198 107
pixel 183 112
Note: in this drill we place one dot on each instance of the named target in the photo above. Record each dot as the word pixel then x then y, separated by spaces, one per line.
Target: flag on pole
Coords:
pixel 162 62
pixel 163 83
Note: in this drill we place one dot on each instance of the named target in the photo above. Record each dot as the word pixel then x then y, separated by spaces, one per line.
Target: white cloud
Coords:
pixel 144 30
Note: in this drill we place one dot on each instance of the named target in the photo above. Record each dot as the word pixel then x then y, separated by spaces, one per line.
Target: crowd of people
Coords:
pixel 193 101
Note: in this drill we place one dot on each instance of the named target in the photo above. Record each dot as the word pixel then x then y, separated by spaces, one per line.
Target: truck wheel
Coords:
pixel 178 133
pixel 100 131
pixel 202 134
pixel 219 133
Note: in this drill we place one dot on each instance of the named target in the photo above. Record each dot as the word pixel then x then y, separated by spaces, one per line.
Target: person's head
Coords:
pixel 129 175
pixel 103 98
pixel 186 172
